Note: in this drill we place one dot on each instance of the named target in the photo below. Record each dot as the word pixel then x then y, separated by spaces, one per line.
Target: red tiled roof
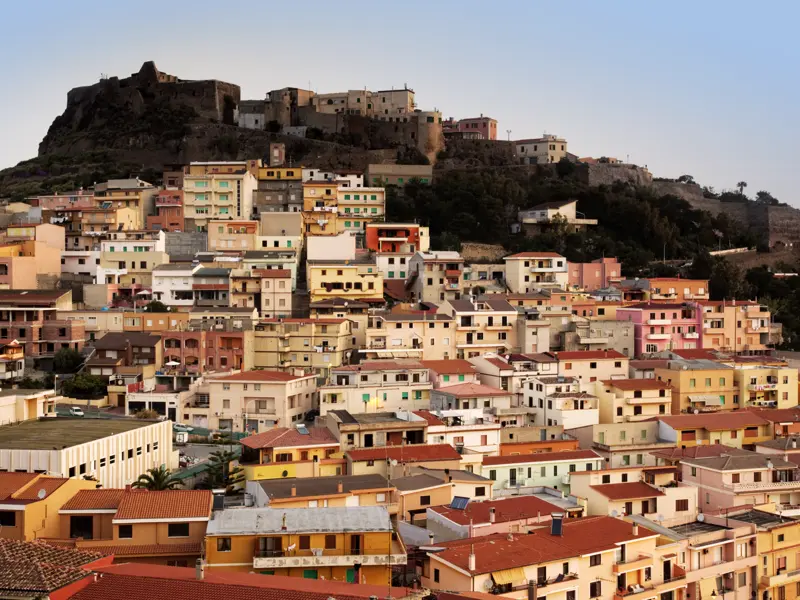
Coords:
pixel 580 537
pixel 122 550
pixel 472 390
pixel 638 384
pixel 406 454
pixel 102 499
pixel 273 273
pixel 499 363
pixel 454 366
pixel 136 581
pixel 541 457
pixel 706 353
pixel 305 321
pixel 590 355
pixel 166 504
pixel 431 418
pixel 395 289
pixel 268 376
pixel 10 483
pixel 290 437
pixel 778 415
pixel 48 484
pixel 535 255
pixel 714 421
pixel 505 509
pixel 633 490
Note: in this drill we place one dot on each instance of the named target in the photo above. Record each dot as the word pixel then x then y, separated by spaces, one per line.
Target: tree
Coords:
pixel 156 306
pixel 67 360
pixel 726 281
pixel 702 266
pixel 220 474
pixel 685 179
pixel 764 197
pixel 146 413
pixel 157 479
pixel 84 385
pixel 565 167
pixel 741 185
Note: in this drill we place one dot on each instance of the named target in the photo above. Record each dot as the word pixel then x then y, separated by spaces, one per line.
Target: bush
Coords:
pixel 146 414
pixel 85 386
pixel 67 360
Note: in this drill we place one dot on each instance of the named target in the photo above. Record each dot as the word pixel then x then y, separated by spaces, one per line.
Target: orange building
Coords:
pixel 515 448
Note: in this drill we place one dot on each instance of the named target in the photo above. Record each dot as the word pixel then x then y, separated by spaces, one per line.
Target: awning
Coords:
pixel 706 399
pixel 516 575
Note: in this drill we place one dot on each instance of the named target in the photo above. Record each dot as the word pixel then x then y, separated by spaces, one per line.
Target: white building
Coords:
pixel 172 284
pixel 342 179
pixel 114 451
pixel 532 271
pixel 83 262
pixel 560 401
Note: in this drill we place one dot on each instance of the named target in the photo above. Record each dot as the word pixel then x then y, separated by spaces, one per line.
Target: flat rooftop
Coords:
pixel 696 528
pixel 55 433
pixel 760 518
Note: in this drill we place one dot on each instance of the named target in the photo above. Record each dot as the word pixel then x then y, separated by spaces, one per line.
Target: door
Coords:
pixel 368 440
pixel 351 575
pixel 667 570
pixel 622 582
pixel 355 545
pixel 309 573
pixel 512 477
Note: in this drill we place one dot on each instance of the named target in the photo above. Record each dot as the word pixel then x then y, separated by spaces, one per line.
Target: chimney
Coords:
pixel 472 558
pixel 491 514
pixel 635 529
pixel 531 589
pixel 339 487
pixel 200 569
pixel 128 488
pixel 294 490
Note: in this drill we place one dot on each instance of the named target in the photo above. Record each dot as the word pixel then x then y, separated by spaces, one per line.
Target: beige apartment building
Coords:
pixel 528 272
pixel 544 150
pixel 349 279
pixel 338 308
pixel 366 103
pixel 256 401
pixel 318 345
pixel 626 400
pixel 623 444
pixel 357 207
pixel 763 384
pixel 127 193
pixel 436 276
pixel 217 191
pixel 410 335
pixel 233 235
pixel 482 325
pixel 589 366
pixel 740 327
pixel 379 386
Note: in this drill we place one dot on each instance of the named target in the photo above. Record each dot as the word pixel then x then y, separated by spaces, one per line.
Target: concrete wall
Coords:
pixel 186 243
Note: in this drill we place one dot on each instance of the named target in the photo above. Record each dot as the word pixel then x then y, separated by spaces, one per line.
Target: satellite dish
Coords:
pixel 615 513
pixel 394 462
pixel 488 584
pixel 701 517
pixel 660 518
pixel 41 494
pixel 697 412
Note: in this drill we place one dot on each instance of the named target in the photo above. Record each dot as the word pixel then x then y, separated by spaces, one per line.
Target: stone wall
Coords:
pixel 185 244
pixel 608 174
pixel 691 192
pixel 474 252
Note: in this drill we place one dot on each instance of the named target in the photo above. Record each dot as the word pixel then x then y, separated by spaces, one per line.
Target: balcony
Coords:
pixel 779 579
pixel 762 486
pixel 659 336
pixel 691 335
pixel 648 400
pixel 467 327
pixel 762 387
pixel 721 568
pixel 498 327
pixel 650 590
pixel 634 563
pixel 592 338
pixel 659 321
pixel 317 557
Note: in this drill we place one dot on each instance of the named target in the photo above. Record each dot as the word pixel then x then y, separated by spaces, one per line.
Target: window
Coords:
pixel 125 532
pixel 305 542
pixel 480 491
pixel 8 518
pixel 178 530
pixel 424 500
pixel 436 575
pixel 735 478
pixel 595 589
pixel 694 471
pixel 224 544
pixel 681 505
pixel 780 539
pixel 330 542
pixel 493 475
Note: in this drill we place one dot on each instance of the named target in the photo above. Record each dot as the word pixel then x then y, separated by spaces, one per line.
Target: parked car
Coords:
pixel 181 427
pixel 75 411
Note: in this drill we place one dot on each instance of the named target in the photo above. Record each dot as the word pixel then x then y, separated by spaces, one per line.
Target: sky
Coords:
pixel 709 88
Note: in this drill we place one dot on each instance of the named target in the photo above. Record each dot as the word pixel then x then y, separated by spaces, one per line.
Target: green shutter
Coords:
pixel 365 397
pixel 461 378
pixel 446 377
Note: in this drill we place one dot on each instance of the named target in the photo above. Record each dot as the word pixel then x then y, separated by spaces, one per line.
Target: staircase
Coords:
pixel 301 299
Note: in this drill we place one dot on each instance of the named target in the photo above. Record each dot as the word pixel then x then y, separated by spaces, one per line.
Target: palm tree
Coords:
pixel 157 479
pixel 741 185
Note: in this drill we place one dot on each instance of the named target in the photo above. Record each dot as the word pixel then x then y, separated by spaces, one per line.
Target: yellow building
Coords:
pixel 313 344
pixel 128 258
pixel 95 222
pixel 353 544
pixel 739 327
pixel 484 325
pixel 739 429
pixel 320 210
pixel 765 383
pixel 233 235
pixel 127 193
pixel 30 504
pixel 217 191
pixel 702 385
pixel 625 400
pixel 359 206
pixel 291 452
pixel 350 280
pixel 410 335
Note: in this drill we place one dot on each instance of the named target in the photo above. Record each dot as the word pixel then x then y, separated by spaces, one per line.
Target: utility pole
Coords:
pixel 508 131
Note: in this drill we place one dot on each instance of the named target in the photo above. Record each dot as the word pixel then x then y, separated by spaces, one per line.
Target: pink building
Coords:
pixel 77 199
pixel 485 126
pixel 659 327
pixel 597 274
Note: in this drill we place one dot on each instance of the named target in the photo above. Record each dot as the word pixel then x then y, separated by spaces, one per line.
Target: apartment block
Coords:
pixel 623 444
pixel 410 335
pixel 217 191
pixel 528 272
pixel 598 274
pixel 201 347
pixel 436 276
pixel 382 386
pixel 592 365
pixel 316 344
pixel 339 308
pixel 320 208
pixel 630 400
pixel 279 189
pixel 31 318
pixel 233 235
pixel 393 238
pixel 738 327
pixel 127 193
pixel 358 207
pixel 483 325
pixel 701 384
pixel 738 429
pixel 168 212
pixel 559 401
pixel 349 279
pixel 548 469
pixel 544 150
pixel 294 452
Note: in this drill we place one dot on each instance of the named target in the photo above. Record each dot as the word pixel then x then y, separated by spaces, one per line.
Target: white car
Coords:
pixel 181 427
pixel 74 411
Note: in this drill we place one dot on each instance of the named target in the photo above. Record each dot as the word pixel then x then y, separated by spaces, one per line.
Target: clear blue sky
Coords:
pixel 707 88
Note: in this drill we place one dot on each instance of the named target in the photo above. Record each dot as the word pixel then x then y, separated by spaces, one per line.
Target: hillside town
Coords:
pixel 245 380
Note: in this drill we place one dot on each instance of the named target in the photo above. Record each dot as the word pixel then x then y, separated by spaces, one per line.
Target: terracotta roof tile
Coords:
pixel 454 366
pixel 633 490
pixel 48 484
pixel 580 537
pixel 506 509
pixel 535 255
pixel 406 454
pixel 472 390
pixel 102 499
pixel 590 355
pixel 268 376
pixel 166 504
pixel 290 437
pixel 541 457
pixel 638 384
pixel 697 452
pixel 123 550
pixel 10 483
pixel 431 418
pixel 715 421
